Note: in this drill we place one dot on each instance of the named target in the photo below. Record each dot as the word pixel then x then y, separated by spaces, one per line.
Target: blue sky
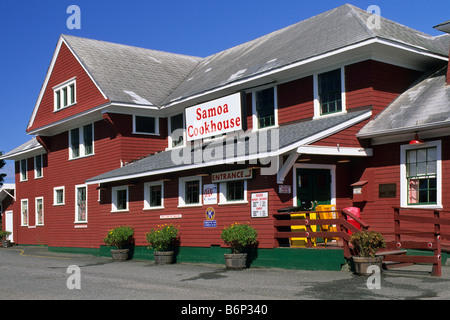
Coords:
pixel 29 31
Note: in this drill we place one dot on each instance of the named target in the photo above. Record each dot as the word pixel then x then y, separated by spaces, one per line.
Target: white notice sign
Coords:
pixel 260 205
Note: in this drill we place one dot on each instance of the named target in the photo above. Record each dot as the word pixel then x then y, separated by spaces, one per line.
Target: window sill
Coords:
pixel 333 114
pixel 197 205
pixel 119 211
pixel 153 208
pixel 422 206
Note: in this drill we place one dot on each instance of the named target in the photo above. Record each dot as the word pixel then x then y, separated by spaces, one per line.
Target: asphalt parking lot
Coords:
pixel 34 273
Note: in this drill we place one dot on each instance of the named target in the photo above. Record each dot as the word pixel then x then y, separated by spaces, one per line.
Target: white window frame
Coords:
pixel 35 167
pixel 255 122
pixel 59 88
pixel 36 211
pixel 404 181
pixel 21 213
pixel 169 125
pixel 156 133
pixel 114 198
pixel 182 191
pixel 147 195
pixel 82 146
pixel 223 194
pixel 317 113
pixel 23 171
pixel 55 198
pixel 76 203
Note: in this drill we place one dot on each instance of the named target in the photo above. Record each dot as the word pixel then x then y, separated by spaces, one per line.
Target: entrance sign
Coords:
pixel 214 118
pixel 260 205
pixel 242 174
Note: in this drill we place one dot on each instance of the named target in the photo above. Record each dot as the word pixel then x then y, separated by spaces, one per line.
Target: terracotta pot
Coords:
pixel 120 254
pixel 163 257
pixel 362 263
pixel 235 260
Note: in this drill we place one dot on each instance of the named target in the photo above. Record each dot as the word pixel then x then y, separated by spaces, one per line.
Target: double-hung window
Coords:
pixel 81 141
pixel 58 196
pixel 154 195
pixel 39 205
pixel 176 130
pixel 81 203
pixel 38 165
pixel 145 125
pixel 421 175
pixel 65 95
pixel 265 108
pixel 233 192
pixel 24 212
pixel 23 170
pixel 329 92
pixel 119 199
pixel 190 191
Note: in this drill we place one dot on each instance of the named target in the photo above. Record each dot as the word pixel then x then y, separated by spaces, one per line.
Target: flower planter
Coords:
pixel 6 243
pixel 362 263
pixel 163 257
pixel 235 260
pixel 120 254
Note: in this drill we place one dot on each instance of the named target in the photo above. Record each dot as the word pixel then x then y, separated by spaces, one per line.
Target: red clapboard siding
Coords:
pixel 31 189
pixel 65 68
pixel 295 100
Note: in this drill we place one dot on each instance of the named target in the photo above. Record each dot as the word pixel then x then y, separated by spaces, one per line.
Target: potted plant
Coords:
pixel 120 238
pixel 239 237
pixel 367 243
pixel 163 241
pixel 5 241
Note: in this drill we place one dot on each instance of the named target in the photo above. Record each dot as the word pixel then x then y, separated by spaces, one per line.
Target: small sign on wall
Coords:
pixel 210 193
pixel 260 205
pixel 282 188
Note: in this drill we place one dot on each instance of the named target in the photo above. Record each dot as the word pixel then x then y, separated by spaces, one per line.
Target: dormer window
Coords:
pixel 65 95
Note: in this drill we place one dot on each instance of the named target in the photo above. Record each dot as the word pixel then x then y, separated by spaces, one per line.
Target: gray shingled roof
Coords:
pixel 30 147
pixel 326 32
pixel 149 77
pixel 288 136
pixel 425 105
pixel 130 74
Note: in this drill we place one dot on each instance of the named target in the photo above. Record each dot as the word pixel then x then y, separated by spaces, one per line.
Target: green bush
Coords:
pixel 162 238
pixel 367 243
pixel 239 236
pixel 4 235
pixel 119 237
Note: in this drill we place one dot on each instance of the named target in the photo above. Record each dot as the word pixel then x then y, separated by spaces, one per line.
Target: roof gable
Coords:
pixel 65 66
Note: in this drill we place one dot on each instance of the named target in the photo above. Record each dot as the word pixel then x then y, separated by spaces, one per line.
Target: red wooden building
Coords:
pixel 131 136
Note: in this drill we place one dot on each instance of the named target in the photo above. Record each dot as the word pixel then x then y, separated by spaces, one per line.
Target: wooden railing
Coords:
pixel 423 233
pixel 283 224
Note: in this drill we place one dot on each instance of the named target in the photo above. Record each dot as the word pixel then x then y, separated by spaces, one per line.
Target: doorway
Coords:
pixel 8 218
pixel 314 187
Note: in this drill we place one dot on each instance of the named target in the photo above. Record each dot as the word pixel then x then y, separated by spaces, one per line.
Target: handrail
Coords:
pixel 343 227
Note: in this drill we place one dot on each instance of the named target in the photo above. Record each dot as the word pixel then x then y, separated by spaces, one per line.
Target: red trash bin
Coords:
pixel 357 213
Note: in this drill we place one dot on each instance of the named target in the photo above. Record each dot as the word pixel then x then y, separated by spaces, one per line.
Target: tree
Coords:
pixel 2 175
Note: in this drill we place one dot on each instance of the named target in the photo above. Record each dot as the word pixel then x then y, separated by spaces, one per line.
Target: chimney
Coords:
pixel 445 27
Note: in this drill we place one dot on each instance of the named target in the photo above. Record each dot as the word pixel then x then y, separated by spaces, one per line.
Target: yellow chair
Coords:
pixel 331 214
pixel 297 242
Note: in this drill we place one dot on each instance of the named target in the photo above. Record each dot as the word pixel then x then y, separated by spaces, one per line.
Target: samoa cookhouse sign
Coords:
pixel 214 118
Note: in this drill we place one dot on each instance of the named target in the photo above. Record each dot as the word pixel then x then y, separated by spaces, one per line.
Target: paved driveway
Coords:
pixel 35 273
